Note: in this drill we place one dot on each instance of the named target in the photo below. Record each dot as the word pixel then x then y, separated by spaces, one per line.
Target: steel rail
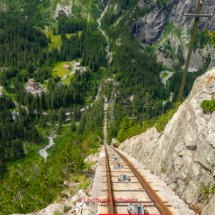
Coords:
pixel 110 197
pixel 158 202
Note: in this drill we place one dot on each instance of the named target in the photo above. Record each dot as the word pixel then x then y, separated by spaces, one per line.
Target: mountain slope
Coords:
pixel 185 151
pixel 44 13
pixel 162 25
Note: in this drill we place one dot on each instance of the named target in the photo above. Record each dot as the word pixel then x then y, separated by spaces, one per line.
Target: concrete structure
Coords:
pixel 77 64
pixel 35 86
pixel 31 84
pixel 66 67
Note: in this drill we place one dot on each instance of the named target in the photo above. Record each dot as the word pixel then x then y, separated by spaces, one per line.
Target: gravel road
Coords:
pixel 167 77
pixel 43 152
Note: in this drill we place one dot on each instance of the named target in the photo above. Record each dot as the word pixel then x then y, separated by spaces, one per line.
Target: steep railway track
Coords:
pixel 139 190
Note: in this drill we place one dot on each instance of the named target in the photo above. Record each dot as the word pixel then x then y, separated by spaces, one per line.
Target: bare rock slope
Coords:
pixel 185 151
pixel 150 28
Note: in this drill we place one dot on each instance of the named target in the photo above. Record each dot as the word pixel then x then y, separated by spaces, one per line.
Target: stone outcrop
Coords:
pixel 150 28
pixel 74 205
pixel 185 151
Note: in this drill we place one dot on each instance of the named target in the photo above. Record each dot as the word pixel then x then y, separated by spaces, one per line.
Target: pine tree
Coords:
pixel 42 100
pixel 3 168
pixel 29 109
pixel 60 117
pixel 73 126
pixel 34 135
pixel 131 122
pixel 53 118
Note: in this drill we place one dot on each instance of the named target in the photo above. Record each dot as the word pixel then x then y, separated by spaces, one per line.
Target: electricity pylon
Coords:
pixel 193 36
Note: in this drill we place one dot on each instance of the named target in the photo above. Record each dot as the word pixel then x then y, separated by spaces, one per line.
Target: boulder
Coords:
pixel 52 209
pixel 210 208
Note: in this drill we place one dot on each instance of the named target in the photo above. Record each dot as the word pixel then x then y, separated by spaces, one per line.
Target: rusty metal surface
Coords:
pixel 152 193
pixel 110 197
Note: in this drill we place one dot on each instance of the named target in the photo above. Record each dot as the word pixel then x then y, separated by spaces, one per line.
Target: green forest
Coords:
pixel 71 106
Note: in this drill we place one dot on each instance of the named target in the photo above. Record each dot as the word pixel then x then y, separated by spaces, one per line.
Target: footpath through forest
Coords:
pixel 109 55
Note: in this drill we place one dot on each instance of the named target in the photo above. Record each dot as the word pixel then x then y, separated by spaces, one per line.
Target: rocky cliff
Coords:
pixel 163 20
pixel 185 151
pixel 152 25
pixel 151 28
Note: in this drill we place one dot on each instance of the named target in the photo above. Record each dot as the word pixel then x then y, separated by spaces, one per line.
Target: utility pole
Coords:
pixel 193 36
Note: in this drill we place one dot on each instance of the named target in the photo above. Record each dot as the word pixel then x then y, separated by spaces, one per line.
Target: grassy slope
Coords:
pixel 164 75
pixel 60 70
pixel 56 39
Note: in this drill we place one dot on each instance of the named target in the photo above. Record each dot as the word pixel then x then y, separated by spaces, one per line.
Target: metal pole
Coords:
pixel 193 36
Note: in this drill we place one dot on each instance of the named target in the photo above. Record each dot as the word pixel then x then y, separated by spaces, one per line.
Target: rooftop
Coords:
pixel 31 80
pixel 66 66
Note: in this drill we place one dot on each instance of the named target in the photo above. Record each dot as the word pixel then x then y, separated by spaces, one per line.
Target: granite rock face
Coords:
pixel 150 28
pixel 169 20
pixel 185 151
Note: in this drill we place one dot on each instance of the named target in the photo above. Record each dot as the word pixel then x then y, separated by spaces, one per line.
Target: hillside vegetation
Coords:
pixel 36 40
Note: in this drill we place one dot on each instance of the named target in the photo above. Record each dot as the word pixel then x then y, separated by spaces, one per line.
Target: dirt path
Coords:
pixel 89 12
pixel 167 77
pixel 164 81
pixel 109 55
pixel 43 152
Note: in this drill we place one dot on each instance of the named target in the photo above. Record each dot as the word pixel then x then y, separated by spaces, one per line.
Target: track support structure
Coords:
pixel 110 197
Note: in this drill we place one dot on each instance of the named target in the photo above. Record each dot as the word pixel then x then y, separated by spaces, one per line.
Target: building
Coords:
pixel 77 64
pixel 66 67
pixel 41 1
pixel 34 86
pixel 55 70
pixel 31 80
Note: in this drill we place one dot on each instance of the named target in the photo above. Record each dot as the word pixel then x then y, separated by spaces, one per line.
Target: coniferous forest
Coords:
pixel 70 108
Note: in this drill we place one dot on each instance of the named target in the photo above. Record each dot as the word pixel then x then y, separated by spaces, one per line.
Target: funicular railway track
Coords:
pixel 138 191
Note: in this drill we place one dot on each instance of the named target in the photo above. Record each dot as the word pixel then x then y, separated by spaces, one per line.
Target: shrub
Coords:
pixel 161 123
pixel 208 105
